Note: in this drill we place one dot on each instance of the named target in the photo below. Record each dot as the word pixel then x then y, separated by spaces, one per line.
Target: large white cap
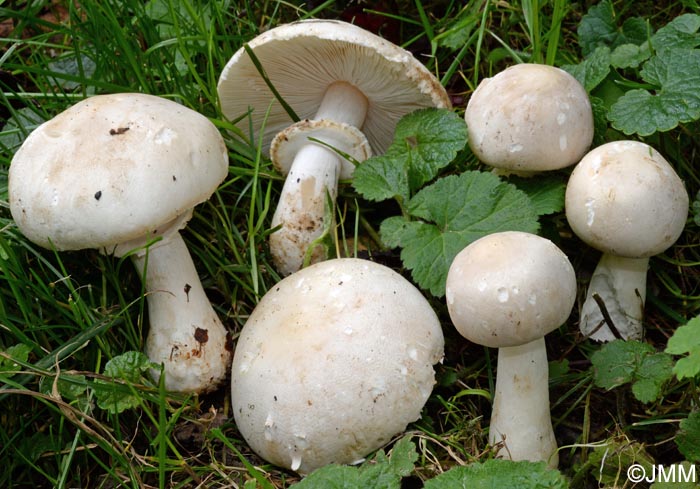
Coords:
pixel 335 360
pixel 304 58
pixel 509 288
pixel 530 117
pixel 112 169
pixel 623 198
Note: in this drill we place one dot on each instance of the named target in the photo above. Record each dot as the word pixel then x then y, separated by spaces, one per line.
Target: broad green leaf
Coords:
pixel 455 211
pixel 546 193
pixel 683 479
pixel 593 70
pixel 630 55
pixel 12 357
pixel 381 178
pixel 599 28
pixel 425 141
pixel 381 472
pixel 611 460
pixel 620 362
pixel 695 208
pixel 69 386
pixel 681 32
pixel 686 339
pixel 128 368
pixel 688 437
pixel 499 473
pixel 676 76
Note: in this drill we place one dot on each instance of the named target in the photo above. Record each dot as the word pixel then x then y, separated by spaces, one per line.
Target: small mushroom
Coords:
pixel 334 361
pixel 116 173
pixel 349 88
pixel 529 118
pixel 508 290
pixel 625 200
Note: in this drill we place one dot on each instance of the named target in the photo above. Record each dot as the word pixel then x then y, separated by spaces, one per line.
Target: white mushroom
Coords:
pixel 116 172
pixel 349 87
pixel 529 118
pixel 335 360
pixel 507 291
pixel 625 200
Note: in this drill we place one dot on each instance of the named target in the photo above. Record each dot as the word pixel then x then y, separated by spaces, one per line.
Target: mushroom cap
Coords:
pixel 509 288
pixel 335 360
pixel 529 117
pixel 112 169
pixel 338 136
pixel 623 198
pixel 304 58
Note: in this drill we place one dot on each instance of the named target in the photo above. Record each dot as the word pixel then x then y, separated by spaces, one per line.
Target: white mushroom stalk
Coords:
pixel 625 200
pixel 348 88
pixel 508 290
pixel 313 179
pixel 113 173
pixel 520 419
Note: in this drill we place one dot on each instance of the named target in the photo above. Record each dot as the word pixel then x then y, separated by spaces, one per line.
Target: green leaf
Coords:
pixel 129 368
pixel 611 460
pixel 621 362
pixel 499 473
pixel 12 357
pixel 593 70
pixel 455 211
pixel 695 208
pixel 598 28
pixel 681 32
pixel 69 386
pixel 425 141
pixel 629 55
pixel 546 193
pixel 688 437
pixel 381 472
pixel 686 339
pixel 680 481
pixel 676 76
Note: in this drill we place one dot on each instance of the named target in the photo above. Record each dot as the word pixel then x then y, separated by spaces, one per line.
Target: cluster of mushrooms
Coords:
pixel 337 358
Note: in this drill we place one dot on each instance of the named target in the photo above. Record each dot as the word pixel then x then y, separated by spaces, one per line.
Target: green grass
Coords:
pixel 75 311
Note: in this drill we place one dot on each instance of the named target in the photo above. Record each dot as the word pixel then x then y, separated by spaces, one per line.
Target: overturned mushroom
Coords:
pixel 116 173
pixel 348 87
pixel 624 199
pixel 508 290
pixel 529 118
pixel 335 360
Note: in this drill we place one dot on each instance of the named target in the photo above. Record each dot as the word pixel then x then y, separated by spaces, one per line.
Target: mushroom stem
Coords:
pixel 313 176
pixel 185 333
pixel 617 293
pixel 520 417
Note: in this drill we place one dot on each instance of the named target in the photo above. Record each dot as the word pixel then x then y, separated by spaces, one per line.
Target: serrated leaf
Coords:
pixel 546 193
pixel 598 28
pixel 686 339
pixel 688 437
pixel 128 368
pixel 629 55
pixel 676 75
pixel 455 211
pixel 381 178
pixel 621 362
pixel 381 472
pixel 425 141
pixel 499 473
pixel 681 32
pixel 592 70
pixel 611 460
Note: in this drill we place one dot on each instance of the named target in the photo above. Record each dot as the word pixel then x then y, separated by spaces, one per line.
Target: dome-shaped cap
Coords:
pixel 624 198
pixel 113 168
pixel 530 117
pixel 335 360
pixel 304 58
pixel 509 288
